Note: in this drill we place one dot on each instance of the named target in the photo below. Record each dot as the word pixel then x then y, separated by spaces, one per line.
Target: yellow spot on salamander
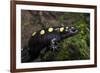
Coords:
pixel 50 29
pixel 61 29
pixel 42 32
pixel 66 27
pixel 33 33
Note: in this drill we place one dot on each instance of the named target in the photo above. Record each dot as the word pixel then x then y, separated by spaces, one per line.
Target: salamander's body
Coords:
pixel 47 38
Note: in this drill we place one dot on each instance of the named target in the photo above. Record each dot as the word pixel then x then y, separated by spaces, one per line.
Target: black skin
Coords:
pixel 49 39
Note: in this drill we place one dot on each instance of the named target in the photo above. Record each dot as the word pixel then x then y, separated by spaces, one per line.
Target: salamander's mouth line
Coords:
pixel 73 31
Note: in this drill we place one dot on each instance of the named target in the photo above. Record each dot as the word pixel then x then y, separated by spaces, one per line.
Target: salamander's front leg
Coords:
pixel 54 45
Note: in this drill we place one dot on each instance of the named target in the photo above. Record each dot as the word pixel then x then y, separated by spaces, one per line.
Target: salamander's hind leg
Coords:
pixel 25 57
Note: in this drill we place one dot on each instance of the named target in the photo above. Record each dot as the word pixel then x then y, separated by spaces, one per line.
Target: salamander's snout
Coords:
pixel 73 30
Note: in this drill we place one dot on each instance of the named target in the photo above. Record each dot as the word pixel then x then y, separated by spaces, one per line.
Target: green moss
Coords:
pixel 76 47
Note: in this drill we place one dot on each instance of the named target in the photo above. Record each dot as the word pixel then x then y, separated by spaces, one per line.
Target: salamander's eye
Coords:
pixel 33 34
pixel 42 32
pixel 61 29
pixel 50 29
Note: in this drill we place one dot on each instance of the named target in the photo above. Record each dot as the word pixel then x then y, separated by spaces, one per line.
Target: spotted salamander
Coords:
pixel 48 38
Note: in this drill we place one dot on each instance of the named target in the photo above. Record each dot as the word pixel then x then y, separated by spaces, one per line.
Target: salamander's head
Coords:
pixel 68 32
